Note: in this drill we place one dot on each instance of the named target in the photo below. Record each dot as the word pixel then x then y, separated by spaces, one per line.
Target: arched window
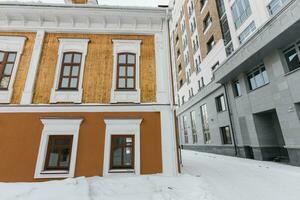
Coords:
pixel 126 71
pixel 70 71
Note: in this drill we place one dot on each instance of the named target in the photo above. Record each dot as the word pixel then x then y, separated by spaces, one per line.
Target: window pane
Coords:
pixel 64 82
pixel 265 76
pixel 127 156
pixel 121 83
pixel 77 58
pixel 258 79
pixel 75 71
pixel 122 59
pixel 8 69
pixel 117 157
pixel 122 71
pixel 73 82
pixel 1 56
pixel 53 159
pixel 68 58
pixel 4 82
pixel 292 59
pixel 64 158
pixel 131 59
pixel 11 57
pixel 130 71
pixel 130 83
pixel 67 70
pixel 252 83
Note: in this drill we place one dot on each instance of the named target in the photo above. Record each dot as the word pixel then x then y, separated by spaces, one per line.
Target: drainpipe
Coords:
pixel 230 120
pixel 179 156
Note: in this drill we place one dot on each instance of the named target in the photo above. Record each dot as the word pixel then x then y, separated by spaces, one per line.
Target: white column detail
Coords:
pixel 168 140
pixel 33 68
pixel 161 58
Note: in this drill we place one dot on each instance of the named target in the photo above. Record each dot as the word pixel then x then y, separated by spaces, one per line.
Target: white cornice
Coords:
pixel 81 19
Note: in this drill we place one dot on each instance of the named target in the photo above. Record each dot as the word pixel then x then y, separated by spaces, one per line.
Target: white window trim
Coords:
pixel 69 45
pixel 122 127
pixel 57 127
pixel 15 44
pixel 130 46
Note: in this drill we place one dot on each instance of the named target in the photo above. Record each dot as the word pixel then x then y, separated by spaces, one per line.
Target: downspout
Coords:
pixel 178 149
pixel 230 120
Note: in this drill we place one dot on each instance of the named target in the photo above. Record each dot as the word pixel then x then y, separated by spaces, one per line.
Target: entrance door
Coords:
pixel 122 152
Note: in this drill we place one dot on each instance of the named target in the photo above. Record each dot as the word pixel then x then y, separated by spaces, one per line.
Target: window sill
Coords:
pixel 125 96
pixel 258 87
pixel 291 72
pixel 55 172
pixel 121 171
pixel 66 96
pixel 5 95
pixel 222 111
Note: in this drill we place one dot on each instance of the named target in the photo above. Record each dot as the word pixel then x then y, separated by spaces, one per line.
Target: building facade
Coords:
pixel 85 90
pixel 241 115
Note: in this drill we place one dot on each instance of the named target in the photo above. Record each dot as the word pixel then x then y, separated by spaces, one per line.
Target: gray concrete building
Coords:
pixel 252 107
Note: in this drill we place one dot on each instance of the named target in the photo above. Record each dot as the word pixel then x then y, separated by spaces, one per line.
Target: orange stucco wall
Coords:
pixel 20 136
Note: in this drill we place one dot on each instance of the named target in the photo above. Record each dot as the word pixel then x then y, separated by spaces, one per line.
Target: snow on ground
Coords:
pixel 243 179
pixel 205 177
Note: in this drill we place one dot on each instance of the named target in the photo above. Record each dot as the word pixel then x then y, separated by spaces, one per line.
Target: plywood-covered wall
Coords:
pixel 97 81
pixel 23 65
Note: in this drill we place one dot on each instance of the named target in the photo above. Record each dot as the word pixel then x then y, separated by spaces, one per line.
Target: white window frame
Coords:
pixel 122 127
pixel 128 46
pixel 69 45
pixel 13 44
pixel 57 127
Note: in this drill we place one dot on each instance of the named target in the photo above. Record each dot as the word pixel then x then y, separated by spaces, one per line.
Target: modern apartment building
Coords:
pixel 247 108
pixel 85 90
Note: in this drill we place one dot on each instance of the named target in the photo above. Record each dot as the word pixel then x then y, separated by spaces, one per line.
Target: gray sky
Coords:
pixel 108 2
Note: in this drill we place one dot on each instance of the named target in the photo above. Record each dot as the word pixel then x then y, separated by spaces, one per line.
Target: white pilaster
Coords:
pixel 161 57
pixel 168 140
pixel 33 68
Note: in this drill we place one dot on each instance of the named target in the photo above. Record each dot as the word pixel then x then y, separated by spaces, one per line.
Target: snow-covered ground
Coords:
pixel 205 177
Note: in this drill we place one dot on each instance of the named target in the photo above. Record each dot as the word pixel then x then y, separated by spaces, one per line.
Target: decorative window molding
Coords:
pixel 126 46
pixel 11 44
pixel 122 127
pixel 55 127
pixel 65 46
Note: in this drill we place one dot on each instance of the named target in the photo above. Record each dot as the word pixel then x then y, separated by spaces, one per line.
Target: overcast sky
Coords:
pixel 108 2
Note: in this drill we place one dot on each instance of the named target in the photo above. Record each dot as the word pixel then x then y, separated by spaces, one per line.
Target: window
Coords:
pixel 122 147
pixel 58 148
pixel 126 71
pixel 70 69
pixel 11 49
pixel 276 5
pixel 180 83
pixel 122 152
pixel 185 131
pixel 210 44
pixel 205 125
pixel 182 100
pixel 207 22
pixel 225 135
pixel 257 78
pixel 179 68
pixel 59 152
pixel 247 33
pixel 292 57
pixel 70 65
pixel 215 66
pixel 220 103
pixel 240 11
pixel 202 4
pixel 7 62
pixel 236 89
pixel 194 130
